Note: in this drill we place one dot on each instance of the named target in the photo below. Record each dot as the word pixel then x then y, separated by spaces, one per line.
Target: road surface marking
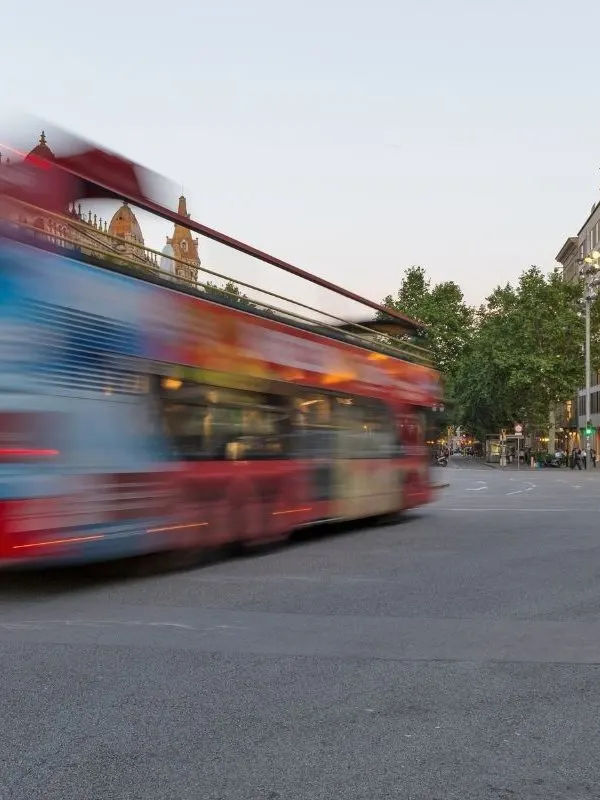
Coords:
pixel 485 509
pixel 529 488
pixel 82 623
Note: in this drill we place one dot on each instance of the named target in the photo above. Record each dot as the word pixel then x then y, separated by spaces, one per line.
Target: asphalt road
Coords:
pixel 452 656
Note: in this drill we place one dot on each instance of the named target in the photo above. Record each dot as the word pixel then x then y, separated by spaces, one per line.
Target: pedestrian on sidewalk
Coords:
pixel 593 456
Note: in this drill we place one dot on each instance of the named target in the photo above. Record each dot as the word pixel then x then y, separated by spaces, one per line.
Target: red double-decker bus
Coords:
pixel 139 413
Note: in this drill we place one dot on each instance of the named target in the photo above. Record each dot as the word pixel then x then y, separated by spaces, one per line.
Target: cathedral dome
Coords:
pixel 124 225
pixel 41 150
pixel 166 260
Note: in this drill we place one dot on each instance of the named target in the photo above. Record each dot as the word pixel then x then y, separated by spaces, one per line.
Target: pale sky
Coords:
pixel 351 138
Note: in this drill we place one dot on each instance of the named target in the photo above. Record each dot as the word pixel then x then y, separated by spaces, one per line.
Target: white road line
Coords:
pixel 42 624
pixel 529 488
pixel 323 578
pixel 485 509
pixel 478 488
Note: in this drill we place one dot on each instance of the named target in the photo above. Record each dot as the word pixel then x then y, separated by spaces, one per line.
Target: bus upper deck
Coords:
pixel 158 416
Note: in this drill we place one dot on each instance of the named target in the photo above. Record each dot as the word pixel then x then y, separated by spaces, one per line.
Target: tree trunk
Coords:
pixel 552 430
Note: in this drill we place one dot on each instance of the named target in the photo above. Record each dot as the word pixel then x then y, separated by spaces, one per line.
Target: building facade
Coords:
pixel 120 239
pixel 572 416
pixel 180 254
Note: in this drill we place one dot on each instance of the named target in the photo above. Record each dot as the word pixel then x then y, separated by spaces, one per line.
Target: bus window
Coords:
pixel 313 427
pixel 213 423
pixel 366 429
pixel 411 430
pixel 379 432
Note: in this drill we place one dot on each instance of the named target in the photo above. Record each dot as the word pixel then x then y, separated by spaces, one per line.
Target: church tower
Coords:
pixel 128 238
pixel 124 225
pixel 41 149
pixel 183 247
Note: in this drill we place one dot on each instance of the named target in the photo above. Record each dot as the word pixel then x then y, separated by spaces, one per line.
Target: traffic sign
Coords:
pixel 518 430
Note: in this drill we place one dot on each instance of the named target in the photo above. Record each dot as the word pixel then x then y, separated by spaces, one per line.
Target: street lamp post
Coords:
pixel 588 370
pixel 592 264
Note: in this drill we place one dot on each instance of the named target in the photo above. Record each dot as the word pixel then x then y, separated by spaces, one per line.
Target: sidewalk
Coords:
pixel 481 462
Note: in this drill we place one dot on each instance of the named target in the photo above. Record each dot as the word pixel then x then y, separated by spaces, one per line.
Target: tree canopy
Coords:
pixel 514 358
pixel 526 355
pixel 444 312
pixel 229 291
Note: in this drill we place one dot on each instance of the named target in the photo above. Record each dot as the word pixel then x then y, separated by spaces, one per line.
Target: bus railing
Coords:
pixel 72 233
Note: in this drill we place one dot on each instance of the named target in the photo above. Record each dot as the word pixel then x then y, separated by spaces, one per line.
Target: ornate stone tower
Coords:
pixel 41 149
pixel 183 247
pixel 86 232
pixel 124 225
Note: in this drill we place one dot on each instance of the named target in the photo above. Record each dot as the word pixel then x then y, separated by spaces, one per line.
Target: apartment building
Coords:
pixel 572 416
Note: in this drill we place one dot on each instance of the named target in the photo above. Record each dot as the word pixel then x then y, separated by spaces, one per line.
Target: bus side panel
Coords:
pixel 244 501
pixel 99 497
pixel 71 341
pixel 367 487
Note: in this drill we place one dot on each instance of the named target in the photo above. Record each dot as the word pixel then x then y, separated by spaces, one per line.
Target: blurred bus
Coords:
pixel 140 416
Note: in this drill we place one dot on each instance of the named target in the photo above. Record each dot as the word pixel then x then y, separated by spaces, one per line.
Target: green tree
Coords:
pixel 229 291
pixel 525 356
pixel 442 309
pixel 512 360
pixel 483 403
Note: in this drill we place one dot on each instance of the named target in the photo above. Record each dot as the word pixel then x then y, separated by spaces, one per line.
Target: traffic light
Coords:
pixel 589 429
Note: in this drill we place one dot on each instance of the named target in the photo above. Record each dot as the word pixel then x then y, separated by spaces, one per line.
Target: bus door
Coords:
pixel 411 432
pixel 315 446
pixel 366 446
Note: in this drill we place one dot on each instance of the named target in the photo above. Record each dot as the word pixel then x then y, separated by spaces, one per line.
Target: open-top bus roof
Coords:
pixel 87 171
pixel 120 179
pixel 52 184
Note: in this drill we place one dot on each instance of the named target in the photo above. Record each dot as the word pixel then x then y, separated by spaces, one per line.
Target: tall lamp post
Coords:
pixel 591 265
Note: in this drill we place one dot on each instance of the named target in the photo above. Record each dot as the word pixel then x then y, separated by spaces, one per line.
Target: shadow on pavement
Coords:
pixel 50 581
